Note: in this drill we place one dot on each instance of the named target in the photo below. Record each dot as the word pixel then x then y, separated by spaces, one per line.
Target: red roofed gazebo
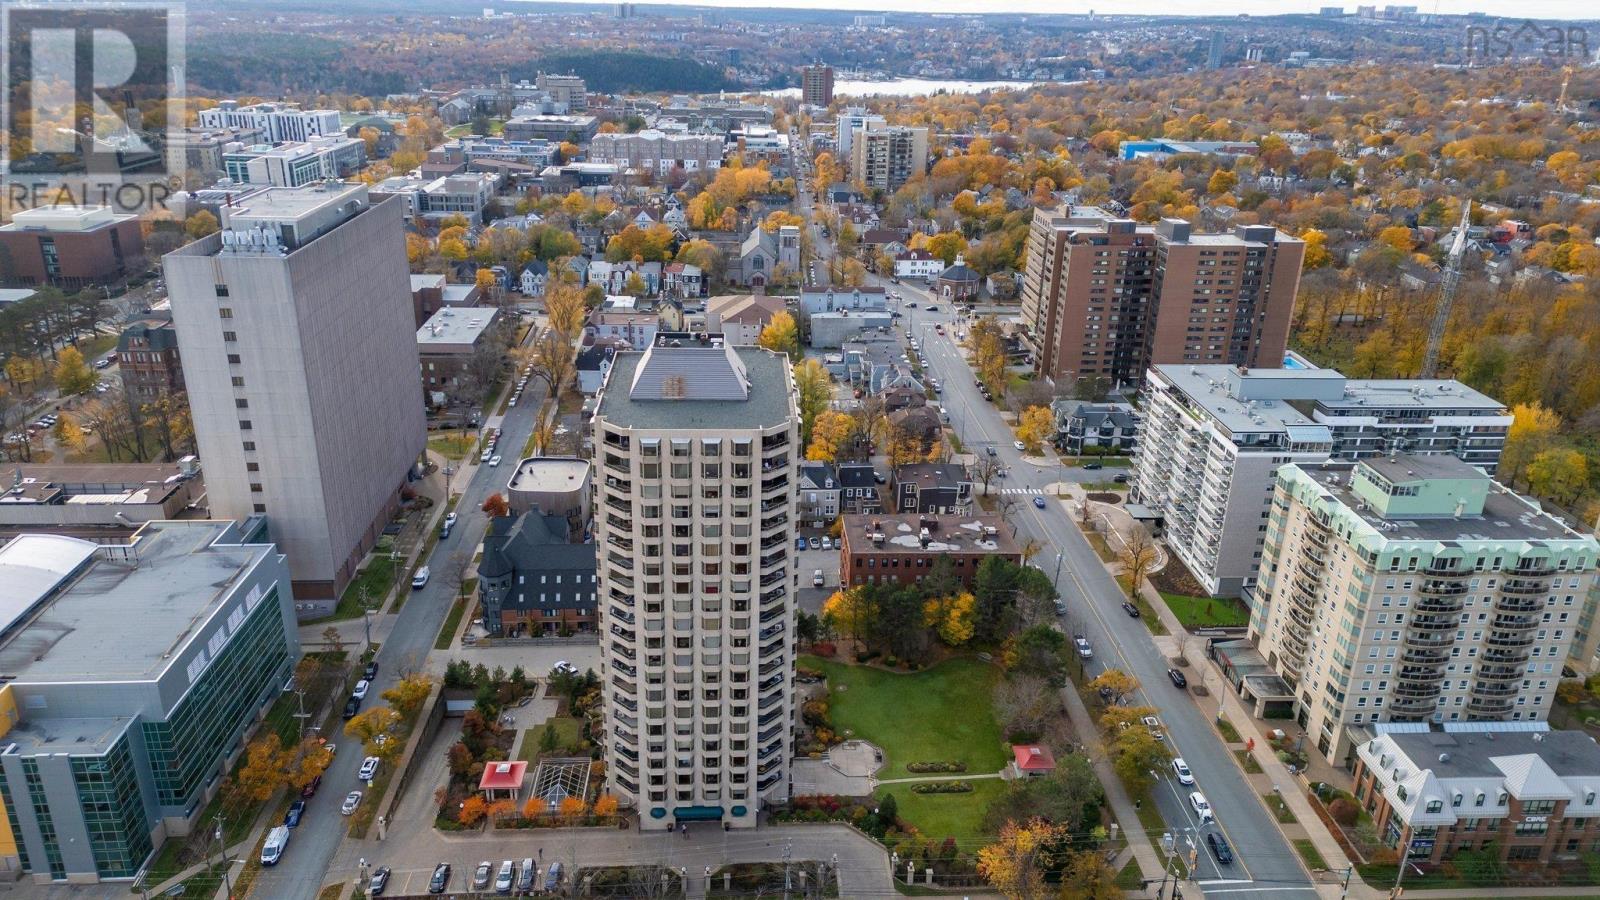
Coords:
pixel 502 776
pixel 1032 760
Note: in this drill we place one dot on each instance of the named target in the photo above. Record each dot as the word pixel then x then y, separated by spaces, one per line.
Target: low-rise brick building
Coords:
pixel 1527 793
pixel 147 358
pixel 531 580
pixel 902 549
pixel 70 247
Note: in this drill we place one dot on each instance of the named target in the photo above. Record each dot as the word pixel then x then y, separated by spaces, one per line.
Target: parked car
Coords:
pixel 361 689
pixel 369 768
pixel 494 460
pixel 816 543
pixel 444 531
pixel 552 877
pixel 1181 769
pixel 297 809
pixel 351 707
pixel 506 877
pixel 450 518
pixel 420 580
pixel 371 671
pixel 1092 465
pixel 526 875
pixel 1082 643
pixel 827 542
pixel 1019 445
pixel 351 801
pixel 1039 502
pixel 817 579
pixel 1178 678
pixel 440 879
pixel 481 875
pixel 799 543
pixel 484 456
pixel 1201 807
pixel 562 667
pixel 1130 609
pixel 1219 847
pixel 310 790
pixel 1120 479
pixel 379 882
pixel 1154 725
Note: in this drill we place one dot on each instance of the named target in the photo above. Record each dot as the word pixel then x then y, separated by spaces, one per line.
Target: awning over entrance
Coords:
pixel 697 813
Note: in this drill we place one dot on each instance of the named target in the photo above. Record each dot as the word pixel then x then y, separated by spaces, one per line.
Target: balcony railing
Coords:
pixel 1525 588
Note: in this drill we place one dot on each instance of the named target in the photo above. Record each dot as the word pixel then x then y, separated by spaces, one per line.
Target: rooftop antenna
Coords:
pixel 1447 293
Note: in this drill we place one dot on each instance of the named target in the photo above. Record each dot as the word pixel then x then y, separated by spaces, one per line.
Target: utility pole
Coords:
pixel 223 844
pixel 302 715
pixel 787 848
pixel 1344 889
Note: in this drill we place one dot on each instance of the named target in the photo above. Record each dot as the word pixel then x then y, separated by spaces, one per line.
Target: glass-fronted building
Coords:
pixel 132 674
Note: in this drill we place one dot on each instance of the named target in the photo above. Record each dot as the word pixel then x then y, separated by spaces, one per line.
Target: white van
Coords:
pixel 272 850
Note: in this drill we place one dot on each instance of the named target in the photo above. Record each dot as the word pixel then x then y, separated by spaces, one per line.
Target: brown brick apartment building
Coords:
pixel 1109 297
pixel 901 549
pixel 147 358
pixel 69 247
pixel 1529 795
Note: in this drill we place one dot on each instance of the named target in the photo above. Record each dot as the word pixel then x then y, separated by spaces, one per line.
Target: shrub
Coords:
pixel 1344 811
pixel 1022 736
pixel 942 787
pixel 891 661
pixel 940 766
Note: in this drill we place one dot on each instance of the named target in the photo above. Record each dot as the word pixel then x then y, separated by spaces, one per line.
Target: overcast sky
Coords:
pixel 1570 9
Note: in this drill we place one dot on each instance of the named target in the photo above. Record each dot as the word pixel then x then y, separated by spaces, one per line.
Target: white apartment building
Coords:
pixel 300 356
pixel 1213 435
pixel 294 163
pixel 278 121
pixel 1415 589
pixel 849 120
pixel 658 151
pixel 697 444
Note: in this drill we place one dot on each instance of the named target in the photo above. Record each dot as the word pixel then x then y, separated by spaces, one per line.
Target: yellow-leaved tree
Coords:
pixel 953 618
pixel 1034 427
pixel 829 434
pixel 1016 862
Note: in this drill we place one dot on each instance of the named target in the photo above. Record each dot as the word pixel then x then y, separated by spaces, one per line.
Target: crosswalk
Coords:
pixel 1017 491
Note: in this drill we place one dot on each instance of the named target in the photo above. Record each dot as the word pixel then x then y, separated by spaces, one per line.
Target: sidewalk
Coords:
pixel 1150 862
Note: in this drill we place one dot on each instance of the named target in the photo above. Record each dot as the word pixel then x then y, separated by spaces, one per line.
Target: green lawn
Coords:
pixel 453 443
pixel 1101 548
pixel 1280 809
pixel 447 631
pixel 1146 612
pixel 568 731
pixel 948 815
pixel 1229 733
pixel 377 577
pixel 1207 612
pixel 1308 852
pixel 939 714
pixel 1247 762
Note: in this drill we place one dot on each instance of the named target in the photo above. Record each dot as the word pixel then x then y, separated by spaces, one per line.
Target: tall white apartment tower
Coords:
pixel 300 353
pixel 697 445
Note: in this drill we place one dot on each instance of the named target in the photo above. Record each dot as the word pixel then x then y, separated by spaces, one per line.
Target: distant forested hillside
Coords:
pixel 623 70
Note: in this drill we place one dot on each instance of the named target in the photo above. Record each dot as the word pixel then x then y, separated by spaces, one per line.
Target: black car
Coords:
pixel 1219 848
pixel 380 881
pixel 372 671
pixel 1177 678
pixel 1120 479
pixel 1130 609
pixel 440 879
pixel 351 707
pixel 1092 465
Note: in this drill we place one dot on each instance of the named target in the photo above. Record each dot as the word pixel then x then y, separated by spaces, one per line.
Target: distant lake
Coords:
pixel 910 87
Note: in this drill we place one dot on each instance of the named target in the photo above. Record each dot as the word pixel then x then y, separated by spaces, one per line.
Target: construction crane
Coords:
pixel 1447 292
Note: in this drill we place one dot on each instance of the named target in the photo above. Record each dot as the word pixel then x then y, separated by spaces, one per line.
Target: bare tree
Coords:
pixel 1006 505
pixel 1024 703
pixel 986 469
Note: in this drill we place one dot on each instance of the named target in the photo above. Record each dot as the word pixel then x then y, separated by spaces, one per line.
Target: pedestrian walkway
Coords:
pixel 922 778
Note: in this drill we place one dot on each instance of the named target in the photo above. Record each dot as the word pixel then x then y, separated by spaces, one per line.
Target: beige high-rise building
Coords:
pixel 696 446
pixel 1415 589
pixel 1108 297
pixel 885 157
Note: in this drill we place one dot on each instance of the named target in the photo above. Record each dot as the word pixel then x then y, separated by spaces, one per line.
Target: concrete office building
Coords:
pixel 697 443
pixel 1415 589
pixel 278 121
pixel 816 84
pixel 1213 436
pixel 295 163
pixel 300 357
pixel 556 486
pixel 577 129
pixel 884 158
pixel 133 673
pixel 198 151
pixel 568 90
pixel 1107 297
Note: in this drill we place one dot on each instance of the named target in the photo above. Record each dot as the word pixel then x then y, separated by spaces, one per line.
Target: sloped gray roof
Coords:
pixel 690 372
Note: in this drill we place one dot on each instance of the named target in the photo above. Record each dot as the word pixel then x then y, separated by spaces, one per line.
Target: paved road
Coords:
pixel 1264 860
pixel 305 865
